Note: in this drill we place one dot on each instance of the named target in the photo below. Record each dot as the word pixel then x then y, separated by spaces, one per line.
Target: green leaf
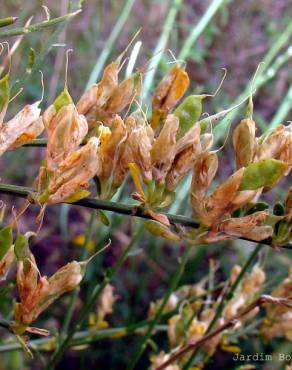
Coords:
pixel 4 92
pixel 31 60
pixel 6 240
pixel 79 194
pixel 158 229
pixel 63 99
pixel 266 172
pixel 21 247
pixel 256 207
pixel 103 217
pixel 188 113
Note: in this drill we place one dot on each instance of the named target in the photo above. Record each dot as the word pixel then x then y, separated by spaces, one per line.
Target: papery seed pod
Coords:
pixel 244 142
pixel 32 132
pixel 66 130
pixel 247 226
pixel 186 152
pixel 109 149
pixel 140 140
pixel 38 292
pixel 106 302
pixel 12 130
pixel 204 170
pixel 92 102
pixel 270 145
pixel 124 93
pixel 167 93
pixel 73 174
pixel 163 148
pixel 220 201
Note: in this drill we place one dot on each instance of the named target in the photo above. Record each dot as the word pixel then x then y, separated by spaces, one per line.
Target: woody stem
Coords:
pixel 130 210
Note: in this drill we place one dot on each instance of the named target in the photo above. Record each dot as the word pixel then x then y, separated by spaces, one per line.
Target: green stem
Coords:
pixel 283 109
pixel 38 26
pixel 130 210
pixel 199 29
pixel 110 272
pixel 126 10
pixel 267 72
pixel 161 44
pixel 172 287
pixel 84 254
pixel 225 299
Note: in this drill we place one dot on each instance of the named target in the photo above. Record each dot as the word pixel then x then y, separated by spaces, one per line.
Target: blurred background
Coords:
pixel 208 35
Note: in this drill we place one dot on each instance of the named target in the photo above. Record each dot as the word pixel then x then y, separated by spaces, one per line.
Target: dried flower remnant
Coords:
pixel 38 292
pixel 168 93
pixel 102 101
pixel 69 182
pixel 193 318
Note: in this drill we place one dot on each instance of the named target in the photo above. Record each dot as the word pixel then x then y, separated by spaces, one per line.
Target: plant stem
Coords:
pixel 126 10
pixel 226 298
pixel 172 286
pixel 130 210
pixel 267 72
pixel 92 334
pixel 74 295
pixel 199 29
pixel 38 26
pixel 109 274
pixel 161 44
pixel 283 109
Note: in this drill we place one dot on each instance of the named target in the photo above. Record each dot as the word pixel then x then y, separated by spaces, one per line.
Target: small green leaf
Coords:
pixel 263 173
pixel 158 229
pixel 188 113
pixel 63 99
pixel 31 60
pixel 4 92
pixel 6 240
pixel 79 194
pixel 103 217
pixel 21 247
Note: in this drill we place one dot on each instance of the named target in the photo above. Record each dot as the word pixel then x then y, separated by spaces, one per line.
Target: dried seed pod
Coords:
pixel 124 93
pixel 247 226
pixel 244 142
pixel 204 170
pixel 12 130
pixel 140 140
pixel 163 148
pixel 186 152
pixel 167 94
pixel 73 174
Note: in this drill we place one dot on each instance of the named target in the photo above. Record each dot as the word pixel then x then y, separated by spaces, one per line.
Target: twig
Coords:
pixel 126 10
pixel 38 26
pixel 227 296
pixel 172 286
pixel 130 210
pixel 109 274
pixel 229 324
